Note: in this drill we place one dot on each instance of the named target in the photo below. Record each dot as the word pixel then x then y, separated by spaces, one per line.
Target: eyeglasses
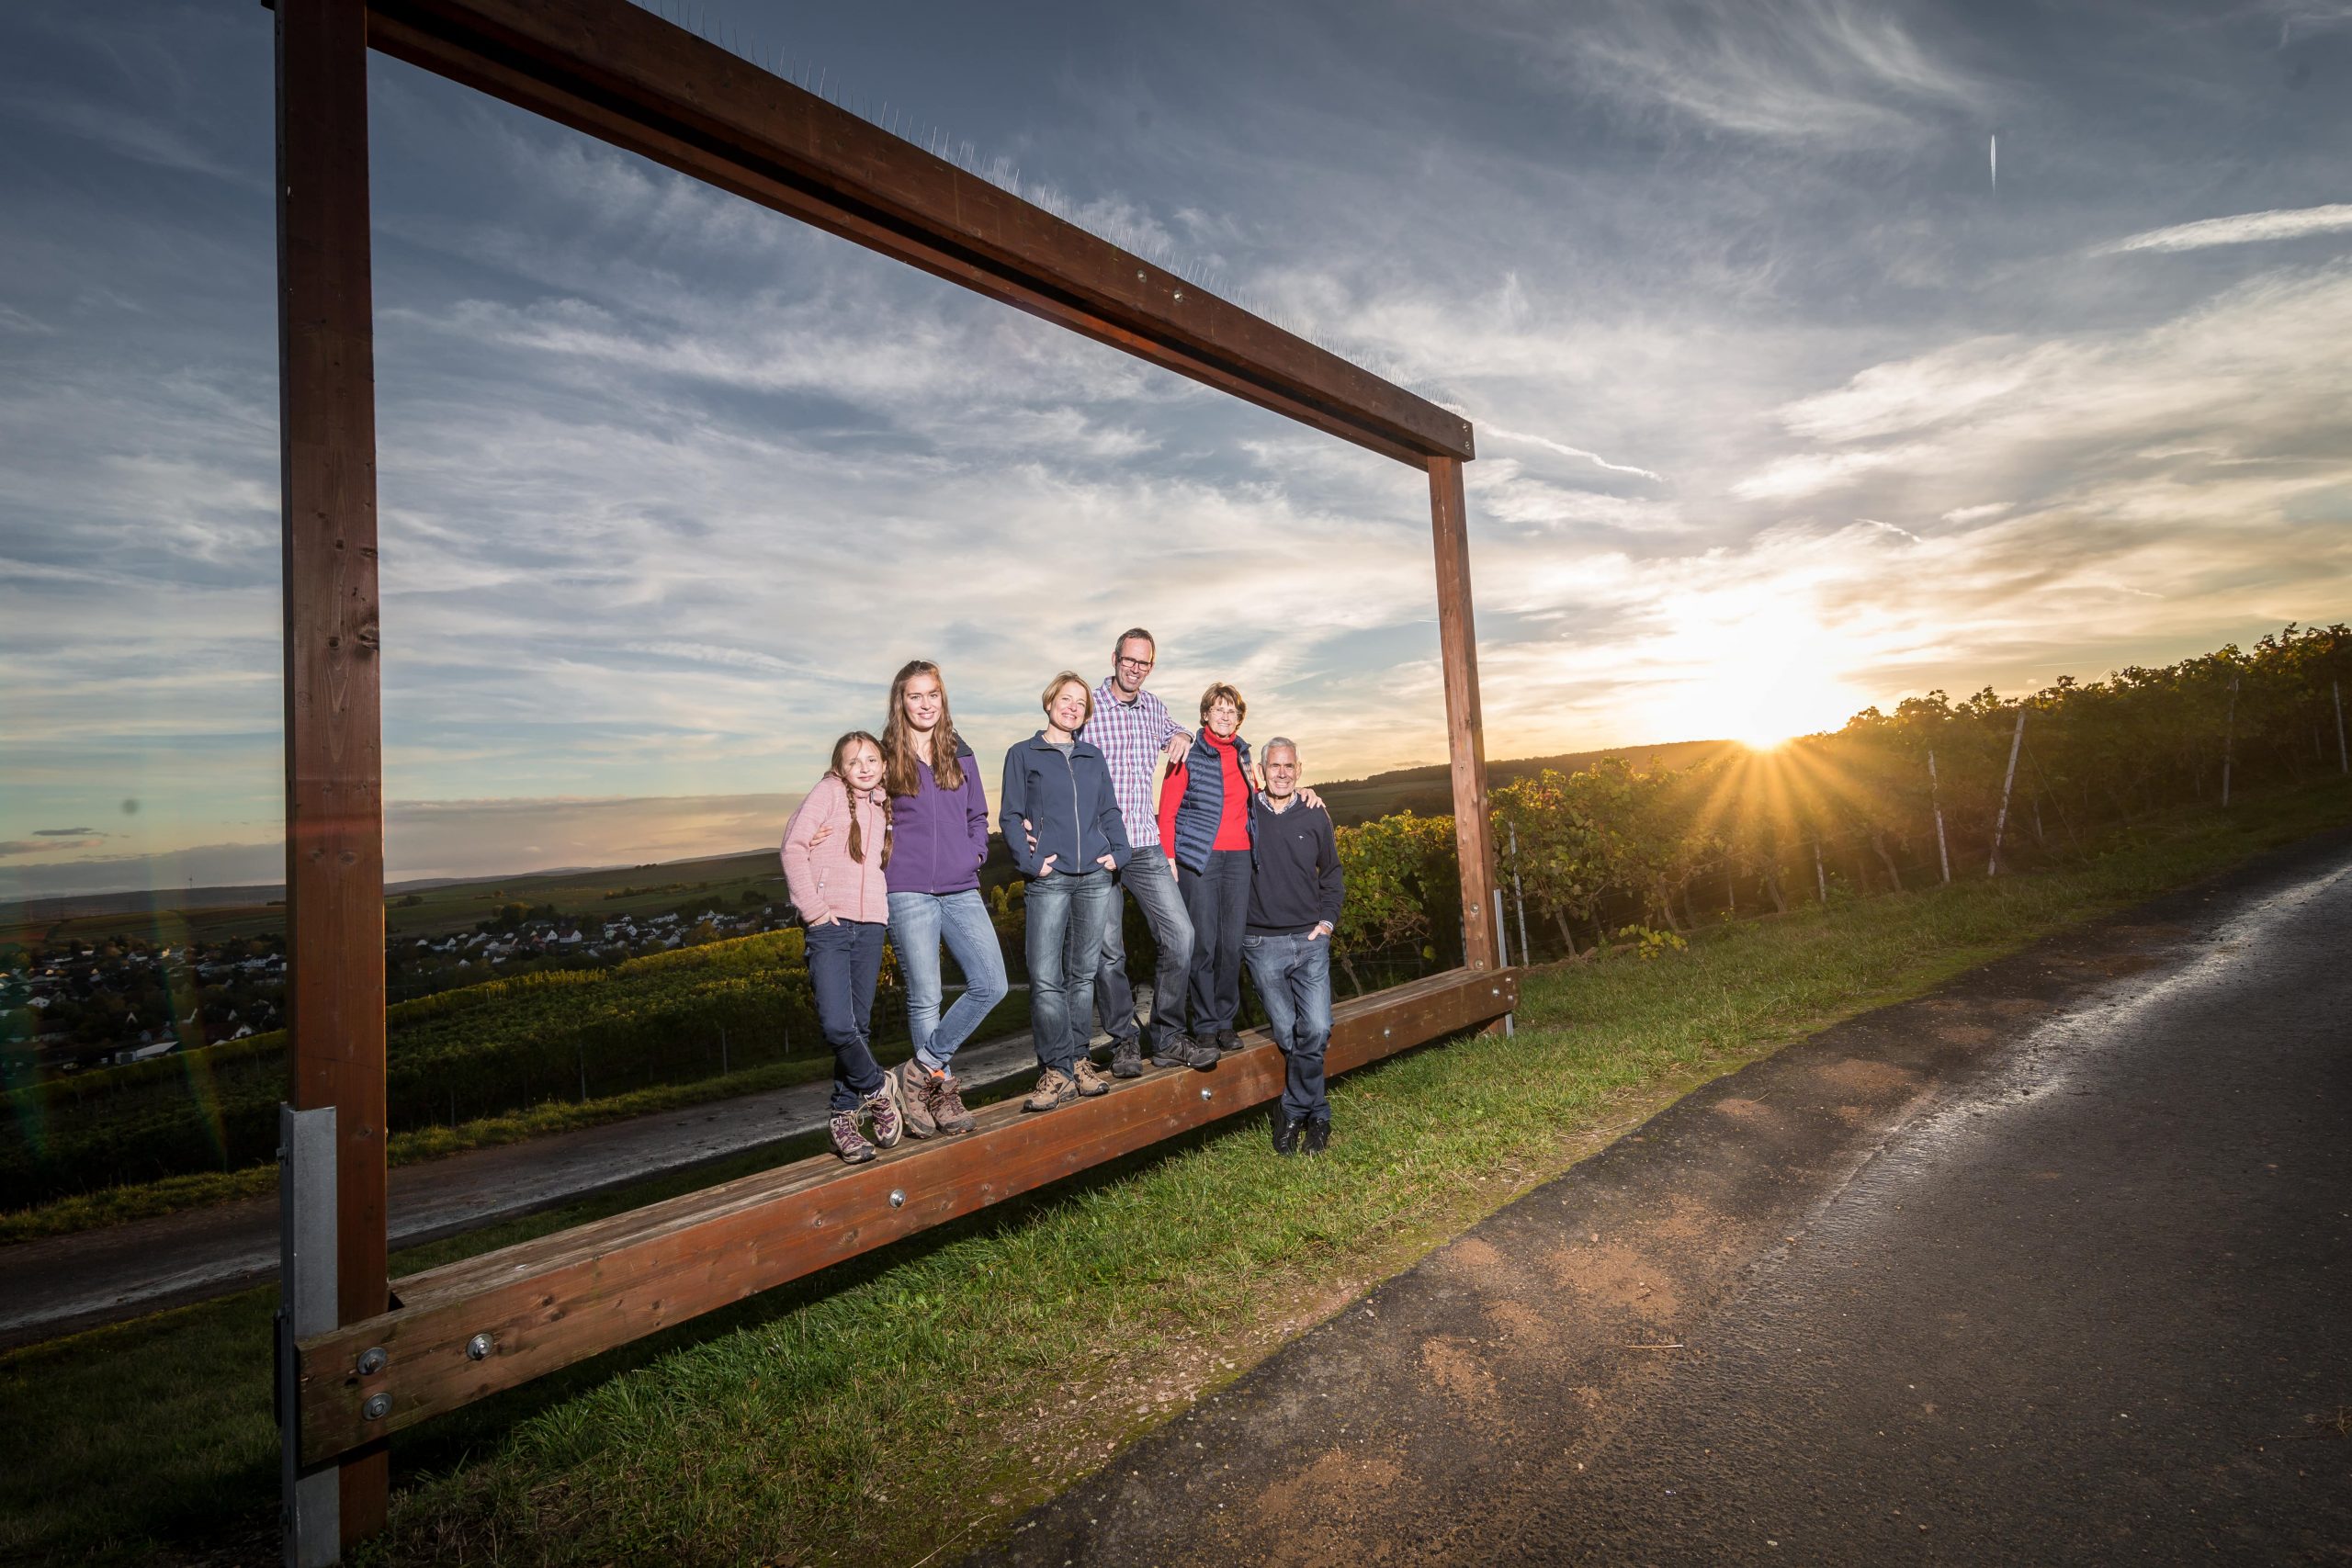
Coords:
pixel 1135 664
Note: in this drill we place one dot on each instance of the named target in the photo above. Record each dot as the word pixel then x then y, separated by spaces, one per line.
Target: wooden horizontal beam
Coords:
pixel 624 74
pixel 546 1303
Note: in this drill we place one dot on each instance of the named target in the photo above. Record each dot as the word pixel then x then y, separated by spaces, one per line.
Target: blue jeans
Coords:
pixel 1066 918
pixel 1293 975
pixel 1147 876
pixel 845 961
pixel 1219 901
pixel 919 923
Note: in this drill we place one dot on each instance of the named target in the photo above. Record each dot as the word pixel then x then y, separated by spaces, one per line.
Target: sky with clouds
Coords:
pixel 1792 397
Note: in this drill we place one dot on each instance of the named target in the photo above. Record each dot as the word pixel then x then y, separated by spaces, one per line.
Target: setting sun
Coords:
pixel 1758 675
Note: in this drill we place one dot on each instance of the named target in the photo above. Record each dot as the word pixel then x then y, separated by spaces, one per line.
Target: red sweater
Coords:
pixel 1233 818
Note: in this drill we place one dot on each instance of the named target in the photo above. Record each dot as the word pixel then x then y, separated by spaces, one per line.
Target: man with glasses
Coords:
pixel 1132 731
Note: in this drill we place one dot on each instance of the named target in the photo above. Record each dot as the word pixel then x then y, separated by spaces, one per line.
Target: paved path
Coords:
pixel 2051 1267
pixel 58 1285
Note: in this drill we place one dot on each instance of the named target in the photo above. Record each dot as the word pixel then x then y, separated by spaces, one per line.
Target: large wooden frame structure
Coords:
pixel 627 78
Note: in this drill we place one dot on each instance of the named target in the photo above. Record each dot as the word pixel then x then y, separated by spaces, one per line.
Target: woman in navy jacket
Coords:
pixel 1060 818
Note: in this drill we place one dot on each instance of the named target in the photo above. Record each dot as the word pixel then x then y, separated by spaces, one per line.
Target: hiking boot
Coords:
pixel 1126 1057
pixel 1089 1079
pixel 1178 1049
pixel 1285 1134
pixel 848 1142
pixel 1227 1041
pixel 883 1106
pixel 947 1105
pixel 1055 1088
pixel 1318 1138
pixel 917 1085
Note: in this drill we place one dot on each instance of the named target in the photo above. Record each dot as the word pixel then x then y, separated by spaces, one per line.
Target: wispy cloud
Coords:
pixel 1822 72
pixel 2242 229
pixel 1808 473
pixel 1496 431
pixel 1891 529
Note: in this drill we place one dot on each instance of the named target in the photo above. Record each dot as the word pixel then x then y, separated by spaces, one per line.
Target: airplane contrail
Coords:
pixel 1993 152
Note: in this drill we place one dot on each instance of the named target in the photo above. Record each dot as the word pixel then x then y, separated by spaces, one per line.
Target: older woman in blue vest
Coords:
pixel 1204 822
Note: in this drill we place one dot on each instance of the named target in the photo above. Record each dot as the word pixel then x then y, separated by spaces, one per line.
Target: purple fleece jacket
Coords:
pixel 940 836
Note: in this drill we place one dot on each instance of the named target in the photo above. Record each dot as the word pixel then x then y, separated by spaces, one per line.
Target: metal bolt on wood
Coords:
pixel 898 1197
pixel 478 1349
pixel 372 1360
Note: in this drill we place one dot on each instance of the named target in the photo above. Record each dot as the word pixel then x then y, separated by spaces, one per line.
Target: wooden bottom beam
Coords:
pixel 485 1324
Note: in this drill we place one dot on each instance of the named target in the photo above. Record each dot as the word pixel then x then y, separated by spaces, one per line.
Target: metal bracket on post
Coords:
pixel 312 1500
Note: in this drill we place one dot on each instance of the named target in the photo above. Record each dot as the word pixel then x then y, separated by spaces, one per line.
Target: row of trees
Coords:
pixel 1920 794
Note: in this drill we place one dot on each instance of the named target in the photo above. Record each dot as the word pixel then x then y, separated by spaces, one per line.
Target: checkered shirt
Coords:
pixel 1130 736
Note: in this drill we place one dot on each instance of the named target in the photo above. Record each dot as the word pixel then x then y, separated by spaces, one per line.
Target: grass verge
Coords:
pixel 906 1405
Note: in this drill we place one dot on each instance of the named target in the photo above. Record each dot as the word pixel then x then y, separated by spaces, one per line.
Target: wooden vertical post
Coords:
pixel 334 813
pixel 1466 737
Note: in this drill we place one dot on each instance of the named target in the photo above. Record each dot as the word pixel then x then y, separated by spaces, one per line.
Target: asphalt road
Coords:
pixel 2051 1267
pixel 61 1284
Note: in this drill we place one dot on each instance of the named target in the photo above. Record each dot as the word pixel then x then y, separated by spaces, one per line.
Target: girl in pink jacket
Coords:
pixel 835 848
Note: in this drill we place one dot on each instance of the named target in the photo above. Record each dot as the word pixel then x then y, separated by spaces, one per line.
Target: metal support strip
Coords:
pixel 305 1285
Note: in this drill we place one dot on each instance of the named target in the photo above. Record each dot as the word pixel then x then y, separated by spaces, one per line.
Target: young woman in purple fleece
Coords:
pixel 940 817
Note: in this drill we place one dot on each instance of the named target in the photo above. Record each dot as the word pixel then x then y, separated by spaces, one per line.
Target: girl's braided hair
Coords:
pixel 840 770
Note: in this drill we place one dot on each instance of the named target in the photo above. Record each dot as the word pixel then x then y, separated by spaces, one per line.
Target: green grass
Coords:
pixel 917 1399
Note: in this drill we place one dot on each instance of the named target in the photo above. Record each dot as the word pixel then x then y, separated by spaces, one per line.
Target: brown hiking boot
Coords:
pixel 917 1085
pixel 1055 1088
pixel 848 1142
pixel 1090 1081
pixel 883 1106
pixel 947 1105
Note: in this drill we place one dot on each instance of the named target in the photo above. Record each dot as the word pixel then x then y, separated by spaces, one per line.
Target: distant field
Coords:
pixel 439 909
pixel 173 916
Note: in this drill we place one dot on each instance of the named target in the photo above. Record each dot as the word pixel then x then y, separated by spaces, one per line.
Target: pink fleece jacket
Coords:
pixel 823 878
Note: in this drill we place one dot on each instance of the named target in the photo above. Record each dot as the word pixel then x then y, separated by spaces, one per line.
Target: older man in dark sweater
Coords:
pixel 1295 890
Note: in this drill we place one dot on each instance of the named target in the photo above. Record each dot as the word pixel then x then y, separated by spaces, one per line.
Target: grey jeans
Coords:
pixel 1148 876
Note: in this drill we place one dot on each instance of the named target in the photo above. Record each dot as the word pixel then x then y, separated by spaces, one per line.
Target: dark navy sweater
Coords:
pixel 1295 879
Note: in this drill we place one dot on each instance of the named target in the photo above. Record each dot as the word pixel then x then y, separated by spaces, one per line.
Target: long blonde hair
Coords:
pixel 901 769
pixel 857 836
